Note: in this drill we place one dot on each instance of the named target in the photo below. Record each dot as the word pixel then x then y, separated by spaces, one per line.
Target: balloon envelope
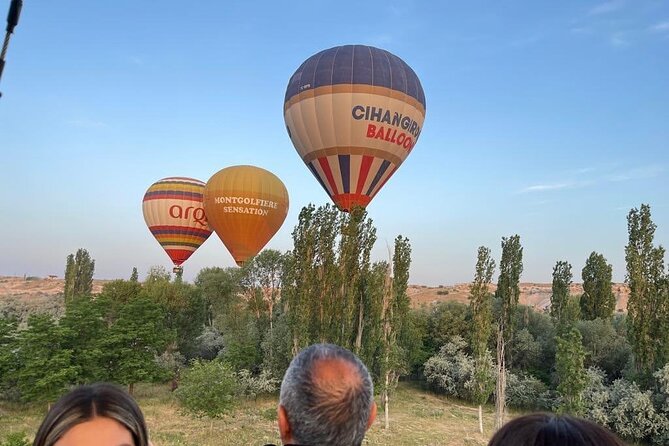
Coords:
pixel 354 113
pixel 245 205
pixel 174 213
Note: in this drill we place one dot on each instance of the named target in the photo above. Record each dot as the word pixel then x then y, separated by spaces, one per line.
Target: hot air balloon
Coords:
pixel 175 216
pixel 354 113
pixel 245 205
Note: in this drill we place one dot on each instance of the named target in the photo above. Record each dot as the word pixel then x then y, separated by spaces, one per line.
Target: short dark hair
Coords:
pixel 325 416
pixel 87 402
pixel 544 429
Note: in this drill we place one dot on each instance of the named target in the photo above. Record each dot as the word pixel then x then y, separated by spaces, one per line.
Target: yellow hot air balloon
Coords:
pixel 245 205
pixel 173 212
pixel 354 113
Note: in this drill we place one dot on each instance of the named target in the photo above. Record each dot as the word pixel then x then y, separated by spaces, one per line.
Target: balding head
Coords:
pixel 326 398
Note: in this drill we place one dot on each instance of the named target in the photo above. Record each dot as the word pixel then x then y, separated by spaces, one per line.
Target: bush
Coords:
pixel 596 396
pixel 451 371
pixel 527 392
pixel 207 389
pixel 251 386
pixel 633 415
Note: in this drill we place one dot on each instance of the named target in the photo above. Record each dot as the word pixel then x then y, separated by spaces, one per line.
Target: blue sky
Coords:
pixel 547 119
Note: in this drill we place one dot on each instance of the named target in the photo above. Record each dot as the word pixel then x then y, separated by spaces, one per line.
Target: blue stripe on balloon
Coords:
pixel 379 174
pixel 318 177
pixel 355 64
pixel 345 168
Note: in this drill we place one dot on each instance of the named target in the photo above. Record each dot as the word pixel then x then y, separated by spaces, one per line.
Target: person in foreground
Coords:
pixel 99 414
pixel 327 398
pixel 543 429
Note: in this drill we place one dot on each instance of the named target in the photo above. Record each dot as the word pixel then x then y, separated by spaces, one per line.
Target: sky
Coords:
pixel 545 119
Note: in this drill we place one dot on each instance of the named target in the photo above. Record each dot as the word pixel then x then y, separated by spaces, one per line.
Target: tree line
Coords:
pixel 244 325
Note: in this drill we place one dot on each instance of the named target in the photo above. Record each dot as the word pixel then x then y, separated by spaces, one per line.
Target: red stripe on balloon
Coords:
pixel 364 171
pixel 328 173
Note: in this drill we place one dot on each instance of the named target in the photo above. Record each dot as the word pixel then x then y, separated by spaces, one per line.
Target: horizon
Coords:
pixel 544 120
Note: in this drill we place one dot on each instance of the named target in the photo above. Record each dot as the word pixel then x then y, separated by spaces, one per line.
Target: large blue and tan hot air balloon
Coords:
pixel 174 213
pixel 354 113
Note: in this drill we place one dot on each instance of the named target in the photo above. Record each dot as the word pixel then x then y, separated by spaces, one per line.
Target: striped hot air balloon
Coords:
pixel 174 213
pixel 354 113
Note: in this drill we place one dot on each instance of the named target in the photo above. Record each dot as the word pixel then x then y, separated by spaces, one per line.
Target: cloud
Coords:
pixel 638 173
pixel 555 186
pixel 661 27
pixel 606 7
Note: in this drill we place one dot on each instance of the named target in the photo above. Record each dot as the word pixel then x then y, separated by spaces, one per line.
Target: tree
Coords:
pixel 84 326
pixel 395 311
pixel 570 371
pixel 207 389
pixel 8 349
pixel 133 343
pixel 44 366
pixel 562 279
pixel 219 288
pixel 134 277
pixel 79 271
pixel 648 312
pixel 508 292
pixel 598 300
pixel 480 302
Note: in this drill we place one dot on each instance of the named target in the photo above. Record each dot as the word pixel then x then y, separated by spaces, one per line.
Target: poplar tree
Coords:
pixel 480 302
pixel 570 371
pixel 79 271
pixel 562 279
pixel 598 300
pixel 647 307
pixel 508 292
pixel 134 277
pixel 395 310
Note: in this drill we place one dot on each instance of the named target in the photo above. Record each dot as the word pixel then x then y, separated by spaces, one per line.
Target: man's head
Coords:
pixel 327 398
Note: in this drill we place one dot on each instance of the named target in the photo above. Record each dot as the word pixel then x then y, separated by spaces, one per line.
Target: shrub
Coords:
pixel 251 386
pixel 451 371
pixel 633 415
pixel 595 396
pixel 527 392
pixel 207 388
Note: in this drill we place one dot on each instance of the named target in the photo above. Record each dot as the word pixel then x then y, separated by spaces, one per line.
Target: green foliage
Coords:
pixel 527 392
pixel 451 371
pixel 570 372
pixel 134 341
pixel 134 276
pixel 632 414
pixel 562 279
pixel 595 396
pixel 84 327
pixel 480 303
pixel 598 300
pixel 219 288
pixel 605 347
pixel 508 289
pixel 207 389
pixel 445 320
pixel 8 359
pixel 16 439
pixel 44 366
pixel 648 304
pixel 79 271
pixel 250 386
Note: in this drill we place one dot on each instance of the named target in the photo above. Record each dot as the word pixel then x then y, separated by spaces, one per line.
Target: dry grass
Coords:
pixel 416 418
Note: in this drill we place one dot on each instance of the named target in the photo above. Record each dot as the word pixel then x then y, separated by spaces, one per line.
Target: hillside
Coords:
pixel 25 295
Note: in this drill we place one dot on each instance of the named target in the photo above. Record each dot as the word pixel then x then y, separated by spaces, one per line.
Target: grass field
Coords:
pixel 416 418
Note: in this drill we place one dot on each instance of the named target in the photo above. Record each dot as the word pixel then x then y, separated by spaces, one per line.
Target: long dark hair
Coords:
pixel 543 429
pixel 87 402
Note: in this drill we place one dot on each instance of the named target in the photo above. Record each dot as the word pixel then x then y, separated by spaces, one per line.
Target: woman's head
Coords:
pixel 548 429
pixel 90 409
